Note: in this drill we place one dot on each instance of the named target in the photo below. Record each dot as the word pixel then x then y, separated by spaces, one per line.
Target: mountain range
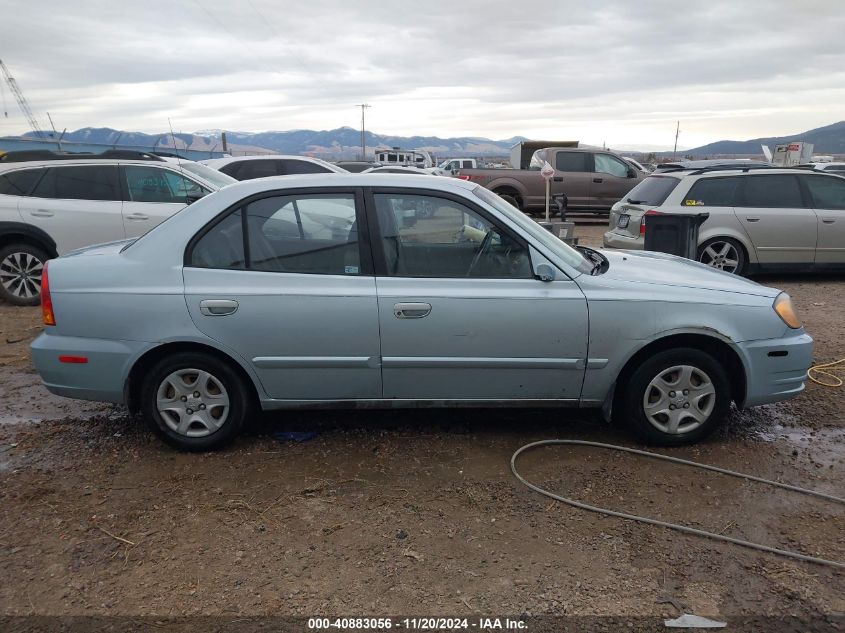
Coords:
pixel 345 142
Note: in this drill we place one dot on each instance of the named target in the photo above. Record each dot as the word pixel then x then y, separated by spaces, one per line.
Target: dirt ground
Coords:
pixel 414 512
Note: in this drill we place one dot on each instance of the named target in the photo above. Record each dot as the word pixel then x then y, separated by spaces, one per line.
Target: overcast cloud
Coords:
pixel 619 72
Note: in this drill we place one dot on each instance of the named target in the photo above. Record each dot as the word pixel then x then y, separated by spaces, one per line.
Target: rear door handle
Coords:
pixel 42 213
pixel 218 307
pixel 752 219
pixel 137 216
pixel 598 180
pixel 411 310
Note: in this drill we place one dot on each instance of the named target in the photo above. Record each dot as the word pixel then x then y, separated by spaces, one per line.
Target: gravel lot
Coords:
pixel 413 512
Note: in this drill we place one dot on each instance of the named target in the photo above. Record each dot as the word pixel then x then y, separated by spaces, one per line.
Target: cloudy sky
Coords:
pixel 620 72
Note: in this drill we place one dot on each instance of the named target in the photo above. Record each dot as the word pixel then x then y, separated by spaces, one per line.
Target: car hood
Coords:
pixel 107 248
pixel 669 270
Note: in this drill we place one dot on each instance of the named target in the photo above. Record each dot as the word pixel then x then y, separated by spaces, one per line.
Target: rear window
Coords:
pixel 653 190
pixel 712 192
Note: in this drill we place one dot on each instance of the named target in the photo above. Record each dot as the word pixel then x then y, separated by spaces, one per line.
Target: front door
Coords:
pixel 295 298
pixel 77 205
pixel 612 179
pixel 828 196
pixel 462 316
pixel 782 228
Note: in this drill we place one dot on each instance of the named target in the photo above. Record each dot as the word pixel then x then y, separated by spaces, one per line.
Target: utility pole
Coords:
pixel 363 107
pixel 677 131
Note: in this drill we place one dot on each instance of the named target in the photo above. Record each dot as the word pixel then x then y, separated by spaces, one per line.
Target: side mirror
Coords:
pixel 544 272
pixel 632 172
pixel 192 197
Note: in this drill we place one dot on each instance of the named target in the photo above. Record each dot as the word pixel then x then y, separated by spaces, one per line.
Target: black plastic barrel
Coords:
pixel 673 233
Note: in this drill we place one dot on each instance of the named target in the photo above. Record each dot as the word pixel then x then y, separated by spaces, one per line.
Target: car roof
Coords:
pixel 297 181
pixel 739 170
pixel 237 159
pixel 81 161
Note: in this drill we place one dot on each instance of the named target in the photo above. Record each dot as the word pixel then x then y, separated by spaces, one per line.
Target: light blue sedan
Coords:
pixel 366 290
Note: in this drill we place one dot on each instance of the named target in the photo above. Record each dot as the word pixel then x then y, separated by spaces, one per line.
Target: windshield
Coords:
pixel 571 256
pixel 216 178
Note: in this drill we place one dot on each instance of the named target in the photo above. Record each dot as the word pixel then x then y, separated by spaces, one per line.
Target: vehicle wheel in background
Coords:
pixel 510 199
pixel 723 253
pixel 195 401
pixel 676 397
pixel 21 266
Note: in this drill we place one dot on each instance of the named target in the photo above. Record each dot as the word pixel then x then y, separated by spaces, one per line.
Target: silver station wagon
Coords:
pixel 366 290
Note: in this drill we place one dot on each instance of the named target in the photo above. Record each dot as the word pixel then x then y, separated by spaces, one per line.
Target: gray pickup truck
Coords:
pixel 591 178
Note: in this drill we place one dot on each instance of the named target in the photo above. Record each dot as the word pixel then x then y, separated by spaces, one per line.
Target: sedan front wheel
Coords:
pixel 677 397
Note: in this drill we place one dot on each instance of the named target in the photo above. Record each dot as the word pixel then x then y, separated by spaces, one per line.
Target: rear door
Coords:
pixel 296 298
pixel 828 198
pixel 77 205
pixel 777 218
pixel 462 316
pixel 573 177
pixel 612 179
pixel 152 194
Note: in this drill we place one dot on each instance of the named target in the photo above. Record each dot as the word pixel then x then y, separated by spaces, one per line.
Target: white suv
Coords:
pixel 759 217
pixel 51 206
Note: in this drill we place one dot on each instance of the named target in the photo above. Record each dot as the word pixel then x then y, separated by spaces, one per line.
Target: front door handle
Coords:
pixel 828 220
pixel 218 307
pixel 41 213
pixel 752 219
pixel 411 310
pixel 137 216
pixel 598 179
pixel 558 178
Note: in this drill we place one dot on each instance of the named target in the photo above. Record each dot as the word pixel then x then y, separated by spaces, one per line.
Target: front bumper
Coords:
pixel 776 368
pixel 618 240
pixel 101 379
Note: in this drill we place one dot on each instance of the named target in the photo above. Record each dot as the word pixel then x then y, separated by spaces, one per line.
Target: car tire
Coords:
pixel 195 401
pixel 21 266
pixel 721 252
pixel 676 397
pixel 511 200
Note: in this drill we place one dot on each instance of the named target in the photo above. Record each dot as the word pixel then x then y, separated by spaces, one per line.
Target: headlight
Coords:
pixel 786 311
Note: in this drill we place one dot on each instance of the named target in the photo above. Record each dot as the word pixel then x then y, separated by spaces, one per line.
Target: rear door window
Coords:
pixel 712 192
pixel 652 191
pixel 778 191
pixel 19 183
pixel 152 184
pixel 571 161
pixel 826 192
pixel 82 182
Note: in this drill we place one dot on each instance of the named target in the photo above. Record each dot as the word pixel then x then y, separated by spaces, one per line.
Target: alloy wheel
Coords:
pixel 721 255
pixel 20 274
pixel 679 399
pixel 192 402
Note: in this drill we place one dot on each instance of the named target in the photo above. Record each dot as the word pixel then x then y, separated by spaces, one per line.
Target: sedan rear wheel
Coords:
pixel 677 397
pixel 195 401
pixel 21 267
pixel 723 253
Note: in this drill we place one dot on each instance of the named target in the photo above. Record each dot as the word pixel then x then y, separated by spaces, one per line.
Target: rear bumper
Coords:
pixel 617 240
pixel 776 368
pixel 102 378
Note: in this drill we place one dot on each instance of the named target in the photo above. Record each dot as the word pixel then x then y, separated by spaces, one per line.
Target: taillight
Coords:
pixel 642 220
pixel 46 302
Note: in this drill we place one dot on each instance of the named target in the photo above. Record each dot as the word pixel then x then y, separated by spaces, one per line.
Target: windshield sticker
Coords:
pixel 694 203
